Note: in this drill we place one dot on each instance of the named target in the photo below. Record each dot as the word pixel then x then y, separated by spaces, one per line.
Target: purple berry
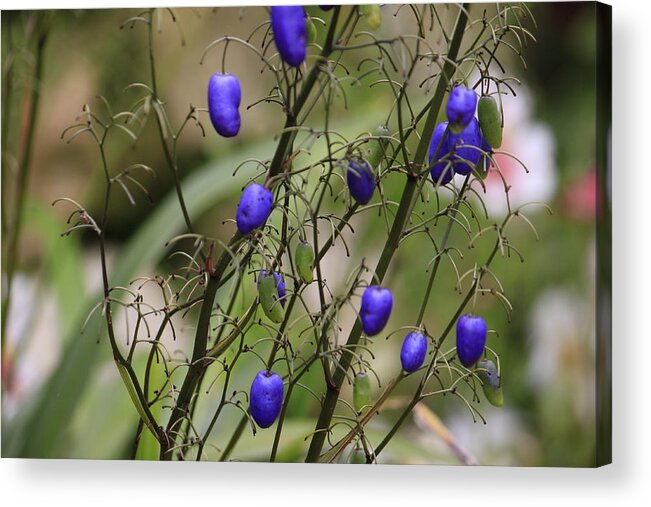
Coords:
pixel 290 33
pixel 461 107
pixel 376 308
pixel 465 148
pixel 224 96
pixel 266 398
pixel 413 351
pixel 254 208
pixel 361 180
pixel 326 7
pixel 471 339
pixel 440 168
pixel 280 285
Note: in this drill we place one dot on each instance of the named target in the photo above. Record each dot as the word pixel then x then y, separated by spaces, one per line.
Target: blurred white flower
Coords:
pixel 531 142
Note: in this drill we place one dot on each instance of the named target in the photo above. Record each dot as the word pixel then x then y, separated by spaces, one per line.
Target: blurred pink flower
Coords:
pixel 580 196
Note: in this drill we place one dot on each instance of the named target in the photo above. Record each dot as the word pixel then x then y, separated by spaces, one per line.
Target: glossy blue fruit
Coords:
pixel 361 180
pixel 266 398
pixel 289 27
pixel 413 351
pixel 224 96
pixel 326 7
pixel 471 338
pixel 254 208
pixel 280 285
pixel 461 106
pixel 465 148
pixel 377 303
pixel 441 170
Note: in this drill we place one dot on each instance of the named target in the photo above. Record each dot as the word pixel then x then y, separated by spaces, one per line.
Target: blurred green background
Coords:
pixel 62 396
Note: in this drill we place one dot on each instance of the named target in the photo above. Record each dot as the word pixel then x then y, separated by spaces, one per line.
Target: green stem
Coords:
pixel 401 218
pixel 442 247
pixel 23 178
pixel 7 90
pixel 306 89
pixel 446 332
pixel 171 162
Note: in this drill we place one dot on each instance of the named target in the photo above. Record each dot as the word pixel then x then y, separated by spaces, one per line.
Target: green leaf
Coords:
pixel 51 414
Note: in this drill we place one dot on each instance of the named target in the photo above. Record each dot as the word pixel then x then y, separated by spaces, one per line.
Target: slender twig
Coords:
pixel 402 215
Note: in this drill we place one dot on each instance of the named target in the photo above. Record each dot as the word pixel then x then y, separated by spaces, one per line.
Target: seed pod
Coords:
pixel 224 96
pixel 311 31
pixel 372 14
pixel 460 107
pixel 490 382
pixel 280 285
pixel 490 120
pixel 465 148
pixel 441 172
pixel 270 299
pixel 254 208
pixel 362 392
pixel 304 259
pixel 375 151
pixel 377 303
pixel 266 398
pixel 290 33
pixel 471 338
pixel 413 351
pixel 361 180
pixel 358 456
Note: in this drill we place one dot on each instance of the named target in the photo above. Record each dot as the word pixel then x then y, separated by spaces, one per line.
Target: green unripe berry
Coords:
pixel 269 298
pixel 311 31
pixel 372 14
pixel 376 147
pixel 304 259
pixel 490 121
pixel 490 382
pixel 362 392
pixel 358 456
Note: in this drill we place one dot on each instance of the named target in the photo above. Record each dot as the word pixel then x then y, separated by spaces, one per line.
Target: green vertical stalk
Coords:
pixel 171 160
pixel 7 90
pixel 12 252
pixel 390 247
pixel 197 366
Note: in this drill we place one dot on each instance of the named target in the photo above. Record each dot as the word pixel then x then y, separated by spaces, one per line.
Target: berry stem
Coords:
pixel 390 247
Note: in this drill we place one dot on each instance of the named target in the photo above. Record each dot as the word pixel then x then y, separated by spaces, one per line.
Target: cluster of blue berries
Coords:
pixel 457 145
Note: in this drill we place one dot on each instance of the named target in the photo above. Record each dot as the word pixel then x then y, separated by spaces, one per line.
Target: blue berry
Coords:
pixel 377 303
pixel 471 339
pixel 441 170
pixel 465 148
pixel 224 96
pixel 254 208
pixel 461 107
pixel 280 285
pixel 289 27
pixel 413 351
pixel 361 180
pixel 266 398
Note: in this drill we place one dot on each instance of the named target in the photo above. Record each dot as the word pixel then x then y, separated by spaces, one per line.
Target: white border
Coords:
pixel 627 482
